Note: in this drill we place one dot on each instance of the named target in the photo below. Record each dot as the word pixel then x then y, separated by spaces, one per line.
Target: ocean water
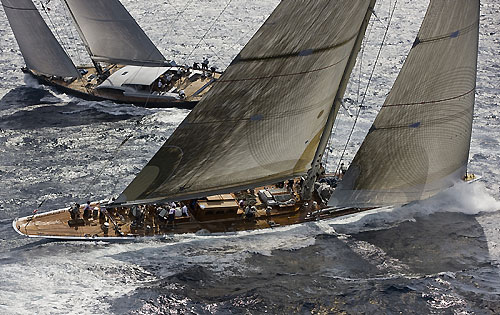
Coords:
pixel 439 256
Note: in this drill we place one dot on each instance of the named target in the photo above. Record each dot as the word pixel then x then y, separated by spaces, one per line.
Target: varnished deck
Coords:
pixel 56 224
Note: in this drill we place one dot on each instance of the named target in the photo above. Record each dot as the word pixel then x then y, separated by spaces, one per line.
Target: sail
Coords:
pixel 111 34
pixel 41 51
pixel 419 142
pixel 262 120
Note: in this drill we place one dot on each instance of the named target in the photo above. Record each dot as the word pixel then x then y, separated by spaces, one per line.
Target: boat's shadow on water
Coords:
pixel 22 96
pixel 52 114
pixel 439 262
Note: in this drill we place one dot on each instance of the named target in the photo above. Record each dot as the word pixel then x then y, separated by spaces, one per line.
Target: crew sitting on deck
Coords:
pixel 250 211
pixel 268 211
pixel 103 213
pixel 322 171
pixel 169 78
pixel 171 216
pixel 156 86
pixel 184 210
pixel 162 213
pixel 204 64
pixel 342 170
pixel 87 211
pixel 95 213
pixel 75 211
pixel 160 85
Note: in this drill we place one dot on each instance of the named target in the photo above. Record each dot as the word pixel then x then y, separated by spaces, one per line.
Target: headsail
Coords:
pixel 41 51
pixel 419 142
pixel 261 122
pixel 111 34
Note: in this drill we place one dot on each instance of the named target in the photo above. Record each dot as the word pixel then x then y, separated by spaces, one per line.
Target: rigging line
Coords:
pixel 39 206
pixel 78 54
pixel 208 30
pixel 284 74
pixel 61 41
pixel 337 121
pixel 179 13
pixel 54 27
pixel 361 59
pixel 193 29
pixel 113 156
pixel 433 101
pixel 368 84
pixel 68 20
pixel 360 71
pixel 243 36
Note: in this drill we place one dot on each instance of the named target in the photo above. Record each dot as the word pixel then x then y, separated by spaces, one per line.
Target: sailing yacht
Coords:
pixel 127 66
pixel 249 157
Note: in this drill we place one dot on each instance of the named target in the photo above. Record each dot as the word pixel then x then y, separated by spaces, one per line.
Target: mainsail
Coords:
pixel 111 34
pixel 262 121
pixel 41 51
pixel 419 142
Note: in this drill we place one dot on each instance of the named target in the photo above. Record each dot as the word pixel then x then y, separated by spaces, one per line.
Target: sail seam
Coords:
pixel 427 123
pixel 299 53
pixel 432 102
pixel 255 117
pixel 283 75
pixel 451 35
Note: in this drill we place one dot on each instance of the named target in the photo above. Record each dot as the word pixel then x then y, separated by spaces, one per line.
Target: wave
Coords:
pixel 471 199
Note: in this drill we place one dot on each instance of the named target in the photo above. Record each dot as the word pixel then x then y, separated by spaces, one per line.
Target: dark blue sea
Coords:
pixel 438 256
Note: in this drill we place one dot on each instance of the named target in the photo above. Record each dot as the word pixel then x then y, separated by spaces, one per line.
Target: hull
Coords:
pixel 214 214
pixel 53 218
pixel 194 89
pixel 273 206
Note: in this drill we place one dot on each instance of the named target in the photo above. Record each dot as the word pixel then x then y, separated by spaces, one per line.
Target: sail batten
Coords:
pixel 111 34
pixel 259 131
pixel 41 50
pixel 419 143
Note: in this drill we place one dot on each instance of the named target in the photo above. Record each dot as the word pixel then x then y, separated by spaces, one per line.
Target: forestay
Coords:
pixel 419 142
pixel 41 51
pixel 261 122
pixel 111 34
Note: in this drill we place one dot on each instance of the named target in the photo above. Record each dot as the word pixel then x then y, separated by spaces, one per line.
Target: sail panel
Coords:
pixel 111 33
pixel 40 49
pixel 419 142
pixel 262 120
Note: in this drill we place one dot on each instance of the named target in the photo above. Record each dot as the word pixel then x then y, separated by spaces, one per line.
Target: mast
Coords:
pixel 312 173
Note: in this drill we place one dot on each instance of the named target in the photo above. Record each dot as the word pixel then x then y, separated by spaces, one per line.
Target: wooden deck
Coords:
pixel 220 213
